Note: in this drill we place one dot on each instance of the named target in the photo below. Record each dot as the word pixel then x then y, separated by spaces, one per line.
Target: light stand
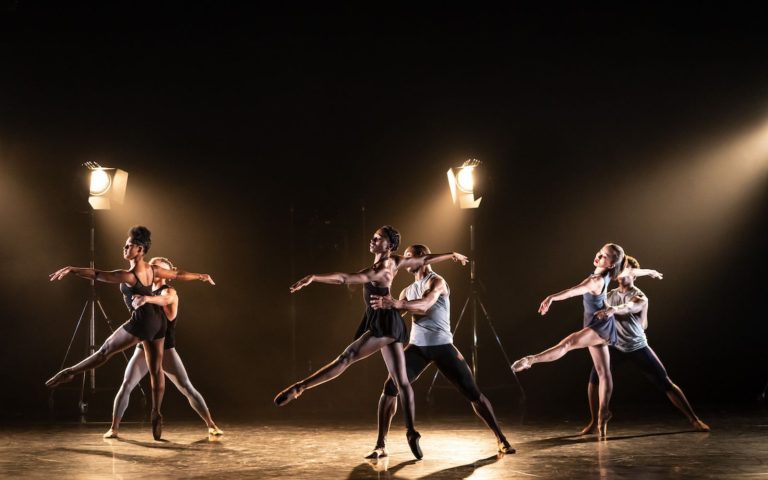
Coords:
pixel 111 188
pixel 462 183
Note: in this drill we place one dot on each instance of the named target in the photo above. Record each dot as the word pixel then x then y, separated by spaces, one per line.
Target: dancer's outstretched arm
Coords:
pixel 420 306
pixel 641 272
pixel 338 278
pixel 430 258
pixel 178 274
pixel 590 284
pixel 111 276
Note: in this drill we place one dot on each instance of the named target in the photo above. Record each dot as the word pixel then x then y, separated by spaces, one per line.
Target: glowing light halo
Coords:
pixel 100 182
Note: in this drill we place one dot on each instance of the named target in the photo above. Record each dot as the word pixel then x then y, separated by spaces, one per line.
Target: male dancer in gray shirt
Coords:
pixel 629 306
pixel 428 300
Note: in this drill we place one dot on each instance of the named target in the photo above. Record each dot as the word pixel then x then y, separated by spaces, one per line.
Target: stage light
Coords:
pixel 107 185
pixel 463 183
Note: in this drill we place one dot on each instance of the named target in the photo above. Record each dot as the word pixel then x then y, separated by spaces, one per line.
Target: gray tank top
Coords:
pixel 629 327
pixel 434 328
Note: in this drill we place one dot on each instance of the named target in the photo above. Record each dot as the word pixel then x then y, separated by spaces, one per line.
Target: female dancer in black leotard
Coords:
pixel 597 333
pixel 147 324
pixel 382 329
pixel 164 296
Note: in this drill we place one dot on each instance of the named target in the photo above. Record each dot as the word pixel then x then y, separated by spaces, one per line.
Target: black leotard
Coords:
pixel 147 322
pixel 383 322
pixel 170 329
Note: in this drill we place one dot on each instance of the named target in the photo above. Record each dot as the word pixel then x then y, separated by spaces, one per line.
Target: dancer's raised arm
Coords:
pixel 590 284
pixel 182 275
pixel 338 278
pixel 641 272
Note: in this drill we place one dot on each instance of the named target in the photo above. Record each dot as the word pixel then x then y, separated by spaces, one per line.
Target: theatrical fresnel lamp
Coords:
pixel 107 186
pixel 463 183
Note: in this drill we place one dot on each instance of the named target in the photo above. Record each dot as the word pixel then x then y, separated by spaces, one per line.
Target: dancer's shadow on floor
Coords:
pixel 380 470
pixel 197 445
pixel 576 439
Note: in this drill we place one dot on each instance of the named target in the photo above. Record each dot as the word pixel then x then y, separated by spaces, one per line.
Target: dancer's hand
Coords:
pixel 138 300
pixel 457 257
pixel 204 277
pixel 605 313
pixel 544 307
pixel 60 273
pixel 301 283
pixel 379 302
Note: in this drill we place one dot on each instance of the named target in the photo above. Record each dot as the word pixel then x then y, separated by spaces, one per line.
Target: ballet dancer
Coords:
pixel 597 333
pixel 146 325
pixel 380 330
pixel 431 341
pixel 629 306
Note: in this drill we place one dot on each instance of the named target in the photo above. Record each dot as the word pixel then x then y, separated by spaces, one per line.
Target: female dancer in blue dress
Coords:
pixel 380 330
pixel 166 297
pixel 147 323
pixel 598 332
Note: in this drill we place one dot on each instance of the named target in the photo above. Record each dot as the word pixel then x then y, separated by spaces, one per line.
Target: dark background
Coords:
pixel 265 144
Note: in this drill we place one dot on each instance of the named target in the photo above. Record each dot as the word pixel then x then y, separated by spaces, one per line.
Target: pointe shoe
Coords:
pixel 111 433
pixel 602 425
pixel 522 364
pixel 505 447
pixel 62 377
pixel 377 452
pixel 589 429
pixel 291 393
pixel 413 441
pixel 157 425
pixel 700 426
pixel 215 431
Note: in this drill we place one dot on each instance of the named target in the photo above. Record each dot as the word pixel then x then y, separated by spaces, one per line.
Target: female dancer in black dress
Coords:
pixel 147 324
pixel 598 332
pixel 166 297
pixel 382 329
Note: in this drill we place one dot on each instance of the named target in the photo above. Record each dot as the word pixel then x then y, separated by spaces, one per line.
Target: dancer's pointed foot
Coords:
pixel 377 452
pixel 413 441
pixel 289 394
pixel 522 364
pixel 157 425
pixel 111 433
pixel 602 424
pixel 215 431
pixel 700 426
pixel 63 376
pixel 589 429
pixel 505 447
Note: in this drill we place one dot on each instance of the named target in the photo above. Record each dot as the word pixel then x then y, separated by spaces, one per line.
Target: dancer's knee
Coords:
pixel 347 357
pixel 390 388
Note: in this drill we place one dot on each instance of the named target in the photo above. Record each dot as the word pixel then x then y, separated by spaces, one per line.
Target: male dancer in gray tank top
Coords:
pixel 428 300
pixel 629 306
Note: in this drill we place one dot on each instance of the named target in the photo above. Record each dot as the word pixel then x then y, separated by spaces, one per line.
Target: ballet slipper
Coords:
pixel 289 394
pixel 377 452
pixel 700 426
pixel 157 425
pixel 215 431
pixel 63 376
pixel 522 364
pixel 589 429
pixel 111 433
pixel 602 424
pixel 505 447
pixel 413 441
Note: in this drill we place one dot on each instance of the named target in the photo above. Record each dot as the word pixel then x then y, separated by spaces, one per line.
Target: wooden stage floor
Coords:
pixel 454 448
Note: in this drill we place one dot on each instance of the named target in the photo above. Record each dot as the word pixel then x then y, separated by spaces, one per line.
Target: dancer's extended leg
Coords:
pixel 357 350
pixel 115 343
pixel 174 369
pixel 134 372
pixel 586 337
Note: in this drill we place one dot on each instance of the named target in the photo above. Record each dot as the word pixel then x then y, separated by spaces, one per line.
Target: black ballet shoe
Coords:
pixel 157 425
pixel 377 452
pixel 505 448
pixel 413 441
pixel 291 393
pixel 62 377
